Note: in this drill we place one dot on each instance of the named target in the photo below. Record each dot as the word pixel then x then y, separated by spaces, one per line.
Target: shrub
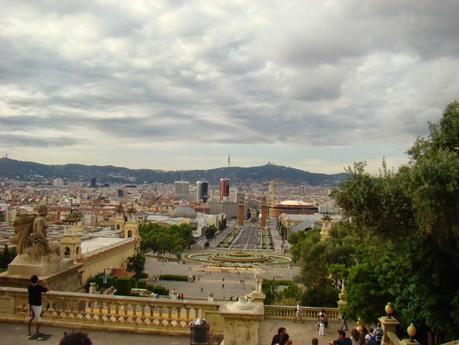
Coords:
pixel 123 285
pixel 141 284
pixel 158 289
pixel 175 277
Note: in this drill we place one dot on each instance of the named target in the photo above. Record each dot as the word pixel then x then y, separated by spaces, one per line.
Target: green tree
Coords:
pixel 408 226
pixel 6 256
pixel 166 240
pixel 136 264
pixel 210 232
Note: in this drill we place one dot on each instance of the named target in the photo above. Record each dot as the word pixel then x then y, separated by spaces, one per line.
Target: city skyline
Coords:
pixel 179 85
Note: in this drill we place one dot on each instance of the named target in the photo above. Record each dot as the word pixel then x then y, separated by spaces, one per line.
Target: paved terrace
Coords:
pixel 300 333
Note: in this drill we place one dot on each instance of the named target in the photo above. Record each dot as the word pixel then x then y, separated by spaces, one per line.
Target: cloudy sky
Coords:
pixel 179 84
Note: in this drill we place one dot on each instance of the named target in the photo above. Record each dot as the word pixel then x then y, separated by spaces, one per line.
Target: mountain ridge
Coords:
pixel 32 171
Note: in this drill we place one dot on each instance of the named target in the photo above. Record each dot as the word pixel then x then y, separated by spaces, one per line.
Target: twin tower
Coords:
pixel 241 216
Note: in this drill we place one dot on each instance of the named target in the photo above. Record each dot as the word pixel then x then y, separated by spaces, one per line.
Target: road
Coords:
pixel 249 237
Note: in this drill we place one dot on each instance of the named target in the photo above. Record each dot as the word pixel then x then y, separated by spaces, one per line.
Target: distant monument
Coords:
pixel 36 255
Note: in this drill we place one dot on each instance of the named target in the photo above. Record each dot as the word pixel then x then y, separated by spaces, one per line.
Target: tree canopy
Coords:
pixel 166 240
pixel 399 237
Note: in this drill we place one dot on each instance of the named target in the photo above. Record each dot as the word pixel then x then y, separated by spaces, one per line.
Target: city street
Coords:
pixel 249 237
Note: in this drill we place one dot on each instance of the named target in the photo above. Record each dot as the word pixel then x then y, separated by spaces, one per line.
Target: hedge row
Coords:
pixel 175 277
pixel 123 285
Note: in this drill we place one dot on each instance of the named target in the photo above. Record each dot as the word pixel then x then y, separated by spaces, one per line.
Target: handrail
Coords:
pixel 109 312
pixel 307 313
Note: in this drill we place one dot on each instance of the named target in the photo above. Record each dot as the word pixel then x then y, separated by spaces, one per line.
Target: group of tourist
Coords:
pixel 362 336
pixel 359 336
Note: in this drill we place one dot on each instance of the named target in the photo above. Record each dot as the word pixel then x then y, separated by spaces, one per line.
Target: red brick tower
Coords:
pixel 241 207
pixel 264 212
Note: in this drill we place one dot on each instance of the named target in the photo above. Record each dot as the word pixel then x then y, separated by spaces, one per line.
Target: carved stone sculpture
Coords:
pixel 31 236
pixel 36 255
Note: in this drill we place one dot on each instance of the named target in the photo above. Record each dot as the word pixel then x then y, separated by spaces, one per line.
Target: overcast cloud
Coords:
pixel 180 84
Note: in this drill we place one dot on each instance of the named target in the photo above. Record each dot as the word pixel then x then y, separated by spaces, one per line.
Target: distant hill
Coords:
pixel 30 171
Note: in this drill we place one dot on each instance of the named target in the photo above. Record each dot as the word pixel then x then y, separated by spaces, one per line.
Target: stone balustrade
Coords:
pixel 116 313
pixel 289 312
pixel 393 339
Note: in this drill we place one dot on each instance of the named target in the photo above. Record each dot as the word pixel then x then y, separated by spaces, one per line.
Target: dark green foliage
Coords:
pixel 6 256
pixel 175 277
pixel 295 240
pixel 268 288
pixel 158 289
pixel 275 295
pixel 141 284
pixel 136 264
pixel 406 225
pixel 321 296
pixel 123 285
pixel 210 232
pixel 76 172
pixel 173 240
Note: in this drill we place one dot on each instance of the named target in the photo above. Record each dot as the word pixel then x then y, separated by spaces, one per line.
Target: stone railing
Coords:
pixel 116 313
pixel 394 339
pixel 289 312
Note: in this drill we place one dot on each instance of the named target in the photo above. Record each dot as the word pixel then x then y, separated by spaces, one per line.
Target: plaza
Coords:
pixel 235 284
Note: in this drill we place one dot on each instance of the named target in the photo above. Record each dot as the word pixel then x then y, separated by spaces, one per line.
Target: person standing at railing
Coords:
pixel 36 288
pixel 321 325
pixel 298 316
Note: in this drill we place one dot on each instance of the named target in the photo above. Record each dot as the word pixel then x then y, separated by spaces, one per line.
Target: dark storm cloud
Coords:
pixel 316 73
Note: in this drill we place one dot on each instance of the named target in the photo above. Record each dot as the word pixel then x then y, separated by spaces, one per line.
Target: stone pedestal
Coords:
pixel 256 296
pixel 25 266
pixel 388 325
pixel 66 279
pixel 242 322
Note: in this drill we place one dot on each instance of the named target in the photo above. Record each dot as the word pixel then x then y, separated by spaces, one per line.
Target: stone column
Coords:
pixel 242 322
pixel 388 325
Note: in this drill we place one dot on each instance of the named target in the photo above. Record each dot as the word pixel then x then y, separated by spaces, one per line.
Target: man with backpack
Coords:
pixel 370 338
pixel 378 333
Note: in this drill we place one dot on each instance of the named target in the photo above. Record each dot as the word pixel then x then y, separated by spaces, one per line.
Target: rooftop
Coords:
pixel 294 203
pixel 96 243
